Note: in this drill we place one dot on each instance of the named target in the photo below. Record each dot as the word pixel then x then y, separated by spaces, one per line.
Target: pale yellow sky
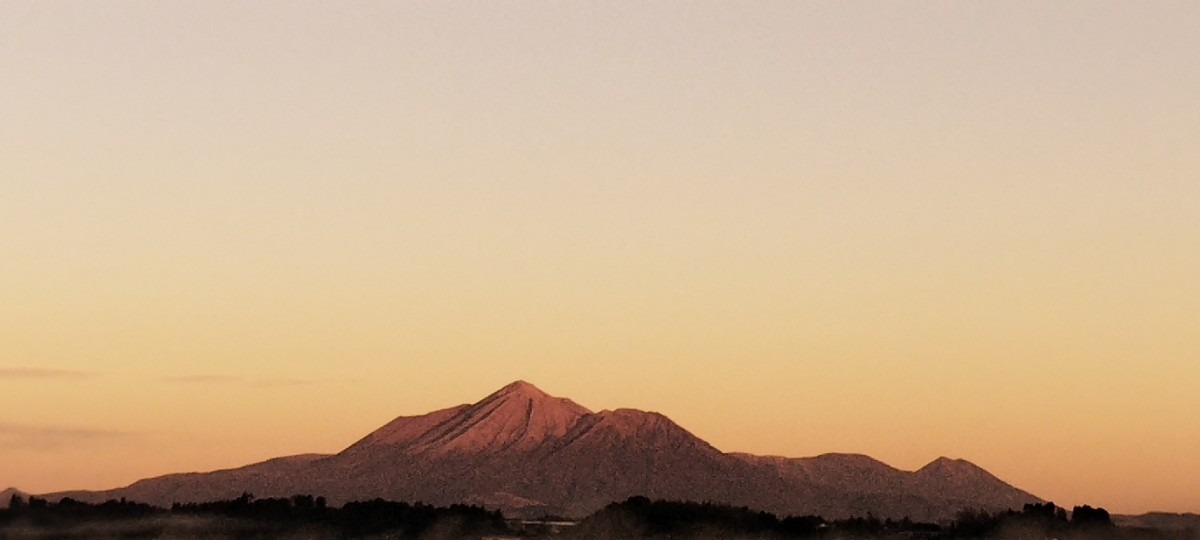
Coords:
pixel 235 231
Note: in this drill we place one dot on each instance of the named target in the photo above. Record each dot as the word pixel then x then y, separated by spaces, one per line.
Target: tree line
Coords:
pixel 249 517
pixel 639 517
pixel 311 516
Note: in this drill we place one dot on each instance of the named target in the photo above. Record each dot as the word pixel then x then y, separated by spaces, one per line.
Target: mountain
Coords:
pixel 530 453
pixel 1162 521
pixel 961 482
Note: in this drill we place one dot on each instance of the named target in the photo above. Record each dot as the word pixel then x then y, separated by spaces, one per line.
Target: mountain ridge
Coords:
pixel 527 452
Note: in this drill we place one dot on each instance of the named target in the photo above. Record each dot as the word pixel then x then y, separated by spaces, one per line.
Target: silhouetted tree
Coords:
pixel 974 523
pixel 639 517
pixel 1047 513
pixel 1086 516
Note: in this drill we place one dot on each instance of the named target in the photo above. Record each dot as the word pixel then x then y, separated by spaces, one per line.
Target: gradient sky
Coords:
pixel 238 230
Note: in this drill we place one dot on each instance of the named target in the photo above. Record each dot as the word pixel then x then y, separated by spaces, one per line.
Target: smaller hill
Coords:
pixel 1163 521
pixel 7 495
pixel 961 482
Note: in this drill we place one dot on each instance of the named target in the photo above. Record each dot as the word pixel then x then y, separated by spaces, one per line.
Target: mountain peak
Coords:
pixel 629 422
pixel 945 466
pixel 518 417
pixel 648 431
pixel 960 479
pixel 520 390
pixel 521 387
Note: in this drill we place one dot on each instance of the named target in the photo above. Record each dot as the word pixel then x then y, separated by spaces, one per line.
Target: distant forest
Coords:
pixel 306 516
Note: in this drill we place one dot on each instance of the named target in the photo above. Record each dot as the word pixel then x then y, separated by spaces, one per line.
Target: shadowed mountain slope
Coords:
pixel 527 453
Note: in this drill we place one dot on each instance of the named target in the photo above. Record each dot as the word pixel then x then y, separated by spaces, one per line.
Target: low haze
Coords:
pixel 234 231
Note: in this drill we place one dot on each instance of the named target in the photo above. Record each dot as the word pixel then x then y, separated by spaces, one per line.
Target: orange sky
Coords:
pixel 235 231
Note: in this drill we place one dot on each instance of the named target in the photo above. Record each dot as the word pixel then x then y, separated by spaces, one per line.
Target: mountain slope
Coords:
pixel 527 452
pixel 960 482
pixel 517 418
pixel 277 477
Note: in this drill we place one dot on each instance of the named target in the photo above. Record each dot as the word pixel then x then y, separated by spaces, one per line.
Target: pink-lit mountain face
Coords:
pixel 518 418
pixel 529 453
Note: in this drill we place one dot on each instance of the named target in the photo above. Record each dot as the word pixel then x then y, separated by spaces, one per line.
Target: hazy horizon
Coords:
pixel 241 231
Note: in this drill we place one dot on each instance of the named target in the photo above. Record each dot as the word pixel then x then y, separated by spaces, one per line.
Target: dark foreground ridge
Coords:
pixel 305 516
pixel 300 516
